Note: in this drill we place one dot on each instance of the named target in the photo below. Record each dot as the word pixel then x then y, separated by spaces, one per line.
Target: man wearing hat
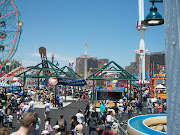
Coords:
pixel 79 116
pixel 115 129
pixel 57 130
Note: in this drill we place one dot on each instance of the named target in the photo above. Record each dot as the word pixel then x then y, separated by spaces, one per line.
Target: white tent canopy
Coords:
pixel 3 84
pixel 16 84
pixel 160 86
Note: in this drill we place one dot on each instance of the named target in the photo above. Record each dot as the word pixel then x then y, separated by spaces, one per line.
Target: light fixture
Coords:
pixel 20 23
pixel 153 18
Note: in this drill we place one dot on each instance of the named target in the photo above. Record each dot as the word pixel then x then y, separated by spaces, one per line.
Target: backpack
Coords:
pixel 61 123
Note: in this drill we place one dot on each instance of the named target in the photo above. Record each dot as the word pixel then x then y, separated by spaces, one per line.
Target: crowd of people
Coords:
pixel 105 122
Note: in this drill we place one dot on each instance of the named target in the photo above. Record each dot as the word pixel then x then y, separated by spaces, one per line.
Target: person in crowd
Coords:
pixel 121 102
pixel 26 109
pixel 159 108
pixel 2 114
pixel 102 108
pixel 62 123
pixel 92 123
pixel 14 104
pixel 100 128
pixel 115 108
pixel 48 127
pixel 21 109
pixel 61 102
pixel 47 108
pixel 79 116
pixel 57 130
pixel 150 106
pixel 130 110
pixel 164 106
pixel 103 117
pixel 107 104
pixel 31 105
pixel 121 110
pixel 86 112
pixel 107 130
pixel 96 113
pixel 89 94
pixel 139 106
pixel 115 129
pixel 80 95
pixel 110 117
pixel 84 95
pixel 18 115
pixel 138 96
pixel 78 128
pixel 159 100
pixel 28 124
pixel 73 124
pixel 4 131
pixel 37 128
pixel 10 120
pixel 8 106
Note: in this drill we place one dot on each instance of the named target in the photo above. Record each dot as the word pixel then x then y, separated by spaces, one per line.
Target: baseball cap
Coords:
pixel 56 127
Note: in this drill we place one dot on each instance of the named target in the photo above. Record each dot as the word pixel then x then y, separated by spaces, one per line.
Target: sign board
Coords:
pixel 72 83
pixel 114 89
pixel 163 96
pixel 53 80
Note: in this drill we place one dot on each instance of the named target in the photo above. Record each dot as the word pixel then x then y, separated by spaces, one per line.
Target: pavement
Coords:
pixel 70 109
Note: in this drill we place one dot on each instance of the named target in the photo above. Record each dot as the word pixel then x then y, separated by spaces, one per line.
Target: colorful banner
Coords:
pixel 71 83
pixel 113 89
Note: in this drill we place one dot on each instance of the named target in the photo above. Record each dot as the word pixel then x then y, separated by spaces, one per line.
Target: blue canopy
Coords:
pixel 3 84
pixel 16 84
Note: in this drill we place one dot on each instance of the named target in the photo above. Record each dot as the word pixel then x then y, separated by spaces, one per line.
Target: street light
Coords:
pixel 153 18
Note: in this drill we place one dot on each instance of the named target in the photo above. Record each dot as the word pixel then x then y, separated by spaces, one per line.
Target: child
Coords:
pixel 10 120
pixel 18 116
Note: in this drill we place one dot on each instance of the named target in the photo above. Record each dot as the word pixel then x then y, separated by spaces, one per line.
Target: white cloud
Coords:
pixel 57 57
pixel 27 63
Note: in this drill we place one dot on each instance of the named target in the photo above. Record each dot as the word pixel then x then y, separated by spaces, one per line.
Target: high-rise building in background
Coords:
pixel 93 64
pixel 102 62
pixel 153 63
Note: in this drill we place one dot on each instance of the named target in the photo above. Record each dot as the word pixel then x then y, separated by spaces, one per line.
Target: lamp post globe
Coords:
pixel 153 18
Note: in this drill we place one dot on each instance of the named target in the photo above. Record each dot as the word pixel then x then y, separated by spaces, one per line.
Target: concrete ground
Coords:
pixel 69 110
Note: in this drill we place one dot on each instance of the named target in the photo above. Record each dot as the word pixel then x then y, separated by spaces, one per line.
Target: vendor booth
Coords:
pixel 112 94
pixel 15 87
pixel 108 82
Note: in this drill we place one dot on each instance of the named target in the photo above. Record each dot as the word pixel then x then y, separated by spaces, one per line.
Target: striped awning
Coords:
pixel 16 84
pixel 3 84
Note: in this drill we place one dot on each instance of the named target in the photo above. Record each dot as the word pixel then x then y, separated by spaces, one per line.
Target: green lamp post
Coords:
pixel 153 18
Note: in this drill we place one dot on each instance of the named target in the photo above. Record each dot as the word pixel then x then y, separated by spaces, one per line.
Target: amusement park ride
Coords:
pixel 10 33
pixel 42 52
pixel 10 30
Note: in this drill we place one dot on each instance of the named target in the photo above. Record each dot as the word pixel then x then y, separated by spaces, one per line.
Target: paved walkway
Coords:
pixel 68 111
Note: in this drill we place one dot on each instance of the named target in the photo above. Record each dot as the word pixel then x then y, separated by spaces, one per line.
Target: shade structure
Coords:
pixel 16 84
pixel 3 84
pixel 160 86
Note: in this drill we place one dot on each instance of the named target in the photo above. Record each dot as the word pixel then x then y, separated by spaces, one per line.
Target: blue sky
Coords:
pixel 64 26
